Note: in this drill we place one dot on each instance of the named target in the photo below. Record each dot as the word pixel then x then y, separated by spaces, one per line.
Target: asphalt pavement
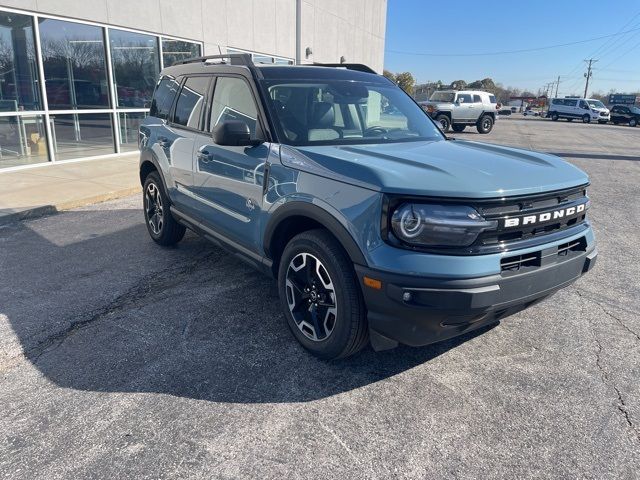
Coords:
pixel 120 359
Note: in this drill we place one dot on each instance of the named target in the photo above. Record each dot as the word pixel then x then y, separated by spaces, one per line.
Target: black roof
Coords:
pixel 315 72
pixel 243 63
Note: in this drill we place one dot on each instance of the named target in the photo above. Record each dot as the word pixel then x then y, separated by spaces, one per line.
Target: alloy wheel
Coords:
pixel 153 208
pixel 311 297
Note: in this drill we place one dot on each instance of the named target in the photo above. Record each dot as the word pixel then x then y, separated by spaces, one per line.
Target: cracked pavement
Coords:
pixel 122 359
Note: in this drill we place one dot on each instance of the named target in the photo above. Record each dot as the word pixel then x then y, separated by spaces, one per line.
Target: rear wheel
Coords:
pixel 320 296
pixel 554 116
pixel 444 121
pixel 586 118
pixel 458 128
pixel 162 227
pixel 485 124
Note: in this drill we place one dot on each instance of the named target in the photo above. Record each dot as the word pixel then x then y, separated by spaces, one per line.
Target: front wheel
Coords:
pixel 485 124
pixel 586 118
pixel 162 227
pixel 444 122
pixel 320 296
pixel 633 122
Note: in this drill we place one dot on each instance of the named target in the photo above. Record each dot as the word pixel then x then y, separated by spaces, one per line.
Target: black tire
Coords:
pixel 444 121
pixel 586 118
pixel 633 122
pixel 344 330
pixel 554 116
pixel 162 227
pixel 485 124
pixel 458 128
pixel 569 119
pixel 615 122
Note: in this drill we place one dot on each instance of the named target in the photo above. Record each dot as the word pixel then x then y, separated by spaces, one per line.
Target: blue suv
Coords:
pixel 376 226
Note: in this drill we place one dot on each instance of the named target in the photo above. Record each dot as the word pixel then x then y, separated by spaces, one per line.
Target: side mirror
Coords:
pixel 233 133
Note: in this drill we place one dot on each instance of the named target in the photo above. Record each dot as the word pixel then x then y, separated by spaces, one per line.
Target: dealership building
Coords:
pixel 76 76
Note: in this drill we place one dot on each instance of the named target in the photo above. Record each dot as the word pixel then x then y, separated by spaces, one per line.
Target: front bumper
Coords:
pixel 418 311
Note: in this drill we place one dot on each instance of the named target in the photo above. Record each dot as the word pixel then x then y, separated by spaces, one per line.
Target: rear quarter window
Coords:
pixel 163 97
pixel 492 99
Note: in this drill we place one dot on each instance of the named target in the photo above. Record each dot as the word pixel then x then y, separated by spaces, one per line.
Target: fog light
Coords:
pixel 406 296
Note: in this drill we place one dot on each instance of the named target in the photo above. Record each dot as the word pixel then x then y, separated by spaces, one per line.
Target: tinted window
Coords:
pixel 583 104
pixel 163 97
pixel 18 69
pixel 233 100
pixel 189 105
pixel 464 98
pixel 492 98
pixel 570 103
pixel 557 101
pixel 477 99
pixel 135 67
pixel 74 65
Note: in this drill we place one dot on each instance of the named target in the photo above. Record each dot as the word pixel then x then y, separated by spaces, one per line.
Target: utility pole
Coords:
pixel 588 75
pixel 557 86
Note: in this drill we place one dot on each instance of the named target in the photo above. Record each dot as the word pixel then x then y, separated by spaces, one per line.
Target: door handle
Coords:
pixel 205 156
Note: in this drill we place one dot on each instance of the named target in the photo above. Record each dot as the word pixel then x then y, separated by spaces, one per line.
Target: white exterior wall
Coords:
pixel 354 29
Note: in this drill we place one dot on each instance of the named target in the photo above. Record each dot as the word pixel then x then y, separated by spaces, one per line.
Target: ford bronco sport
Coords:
pixel 459 109
pixel 375 225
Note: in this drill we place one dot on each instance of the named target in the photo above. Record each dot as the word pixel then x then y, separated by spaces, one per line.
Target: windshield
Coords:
pixel 635 110
pixel 596 104
pixel 442 97
pixel 340 112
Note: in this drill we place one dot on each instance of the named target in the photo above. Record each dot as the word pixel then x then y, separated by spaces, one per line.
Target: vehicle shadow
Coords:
pixel 110 311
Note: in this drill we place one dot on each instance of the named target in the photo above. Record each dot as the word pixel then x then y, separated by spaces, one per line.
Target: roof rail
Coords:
pixel 234 59
pixel 349 66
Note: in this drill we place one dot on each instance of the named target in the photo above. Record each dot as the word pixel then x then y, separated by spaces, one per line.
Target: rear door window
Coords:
pixel 477 99
pixel 163 97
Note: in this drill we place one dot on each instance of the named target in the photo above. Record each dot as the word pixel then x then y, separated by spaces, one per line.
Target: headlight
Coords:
pixel 431 225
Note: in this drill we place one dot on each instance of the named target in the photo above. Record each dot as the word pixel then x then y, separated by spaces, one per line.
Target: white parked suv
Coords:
pixel 585 109
pixel 459 109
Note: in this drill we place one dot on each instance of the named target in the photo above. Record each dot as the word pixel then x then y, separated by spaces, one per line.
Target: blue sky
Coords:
pixel 471 27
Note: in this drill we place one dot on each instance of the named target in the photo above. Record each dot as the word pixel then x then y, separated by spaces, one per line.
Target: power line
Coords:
pixel 506 52
pixel 617 37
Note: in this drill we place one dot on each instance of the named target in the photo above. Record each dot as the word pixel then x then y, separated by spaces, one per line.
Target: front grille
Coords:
pixel 533 207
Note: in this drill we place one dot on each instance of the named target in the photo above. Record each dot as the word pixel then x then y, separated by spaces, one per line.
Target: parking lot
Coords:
pixel 119 359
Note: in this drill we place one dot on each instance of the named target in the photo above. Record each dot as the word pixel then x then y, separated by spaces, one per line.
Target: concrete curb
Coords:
pixel 44 210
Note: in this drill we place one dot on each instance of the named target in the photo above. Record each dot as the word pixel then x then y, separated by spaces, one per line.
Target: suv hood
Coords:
pixel 443 168
pixel 439 105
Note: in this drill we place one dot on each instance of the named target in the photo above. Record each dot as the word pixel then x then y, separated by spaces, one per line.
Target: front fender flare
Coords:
pixel 318 214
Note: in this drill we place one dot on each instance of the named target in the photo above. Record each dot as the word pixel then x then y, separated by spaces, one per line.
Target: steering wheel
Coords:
pixel 376 130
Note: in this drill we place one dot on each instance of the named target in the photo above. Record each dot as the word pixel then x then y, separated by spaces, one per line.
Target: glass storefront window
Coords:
pixel 22 140
pixel 19 85
pixel 82 135
pixel 135 67
pixel 74 65
pixel 129 124
pixel 177 50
